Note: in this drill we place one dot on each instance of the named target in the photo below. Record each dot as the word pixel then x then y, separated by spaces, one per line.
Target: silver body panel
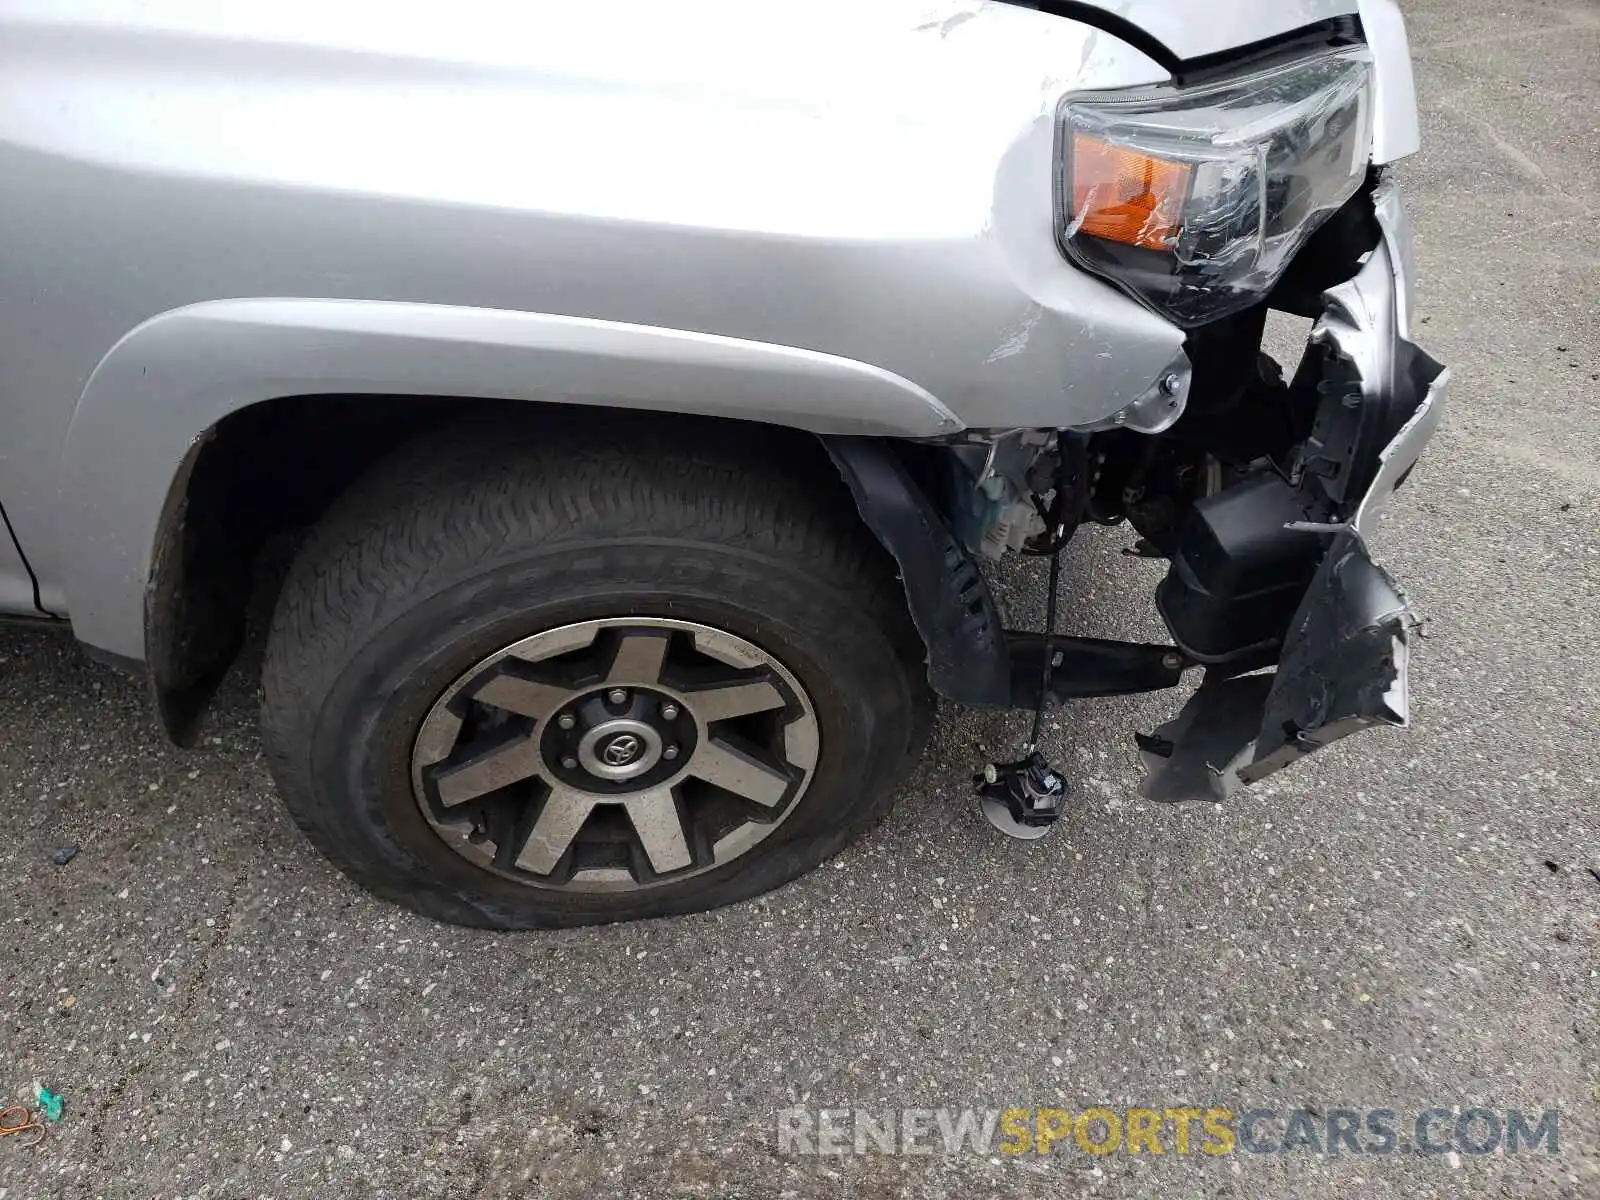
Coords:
pixel 690 176
pixel 1368 318
pixel 1198 30
pixel 836 216
pixel 388 349
pixel 1396 130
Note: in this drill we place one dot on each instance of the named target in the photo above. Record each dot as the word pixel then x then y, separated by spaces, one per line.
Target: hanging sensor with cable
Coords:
pixel 1025 798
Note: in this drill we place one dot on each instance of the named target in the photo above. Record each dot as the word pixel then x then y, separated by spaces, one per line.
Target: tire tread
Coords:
pixel 463 501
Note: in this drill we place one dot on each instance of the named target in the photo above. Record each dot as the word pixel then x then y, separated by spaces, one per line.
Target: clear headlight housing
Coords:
pixel 1195 200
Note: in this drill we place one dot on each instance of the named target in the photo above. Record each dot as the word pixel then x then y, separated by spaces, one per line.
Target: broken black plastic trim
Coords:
pixel 1343 667
pixel 972 660
pixel 1343 670
pixel 1180 756
pixel 949 600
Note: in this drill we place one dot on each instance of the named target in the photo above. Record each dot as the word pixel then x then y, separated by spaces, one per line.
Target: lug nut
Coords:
pixel 670 752
pixel 569 762
pixel 567 720
pixel 669 711
pixel 617 695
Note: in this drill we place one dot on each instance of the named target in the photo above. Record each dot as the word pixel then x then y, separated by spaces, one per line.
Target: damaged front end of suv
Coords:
pixel 605 637
pixel 1211 203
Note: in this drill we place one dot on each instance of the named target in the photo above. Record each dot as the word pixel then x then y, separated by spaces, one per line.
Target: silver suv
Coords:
pixel 641 387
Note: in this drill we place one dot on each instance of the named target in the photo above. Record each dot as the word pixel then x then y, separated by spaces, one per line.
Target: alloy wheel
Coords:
pixel 615 754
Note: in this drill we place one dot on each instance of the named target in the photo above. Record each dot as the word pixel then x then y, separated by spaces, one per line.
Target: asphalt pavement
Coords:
pixel 1407 921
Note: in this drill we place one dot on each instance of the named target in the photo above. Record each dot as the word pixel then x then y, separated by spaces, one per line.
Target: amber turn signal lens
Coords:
pixel 1125 195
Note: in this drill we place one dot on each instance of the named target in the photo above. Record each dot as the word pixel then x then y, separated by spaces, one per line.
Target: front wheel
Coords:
pixel 522 681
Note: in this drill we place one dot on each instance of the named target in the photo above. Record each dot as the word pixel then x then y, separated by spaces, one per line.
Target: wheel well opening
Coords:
pixel 262 476
pixel 259 475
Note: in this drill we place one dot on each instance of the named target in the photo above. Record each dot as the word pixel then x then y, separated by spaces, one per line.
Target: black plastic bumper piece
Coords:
pixel 1344 667
pixel 1240 569
pixel 1343 670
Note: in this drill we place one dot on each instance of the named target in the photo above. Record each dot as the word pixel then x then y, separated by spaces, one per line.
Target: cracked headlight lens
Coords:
pixel 1194 200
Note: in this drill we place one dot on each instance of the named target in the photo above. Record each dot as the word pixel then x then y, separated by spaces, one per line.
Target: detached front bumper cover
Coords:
pixel 1344 659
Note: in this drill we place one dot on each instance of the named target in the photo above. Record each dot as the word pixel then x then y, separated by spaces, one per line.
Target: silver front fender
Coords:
pixel 164 386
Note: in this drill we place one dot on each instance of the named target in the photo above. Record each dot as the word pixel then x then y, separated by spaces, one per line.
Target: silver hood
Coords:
pixel 1192 29
pixel 1172 32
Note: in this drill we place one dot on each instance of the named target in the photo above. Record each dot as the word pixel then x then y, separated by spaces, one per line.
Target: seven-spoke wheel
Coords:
pixel 615 753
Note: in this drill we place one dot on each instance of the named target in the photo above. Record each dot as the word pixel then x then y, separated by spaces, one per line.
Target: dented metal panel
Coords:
pixel 867 185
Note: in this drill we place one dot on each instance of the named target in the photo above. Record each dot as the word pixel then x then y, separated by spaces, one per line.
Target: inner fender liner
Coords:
pixel 950 602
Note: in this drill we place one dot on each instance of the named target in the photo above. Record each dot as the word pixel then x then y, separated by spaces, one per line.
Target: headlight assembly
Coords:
pixel 1195 200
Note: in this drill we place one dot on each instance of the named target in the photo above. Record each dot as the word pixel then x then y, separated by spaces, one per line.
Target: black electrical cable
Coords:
pixel 1049 645
pixel 1072 470
pixel 1060 534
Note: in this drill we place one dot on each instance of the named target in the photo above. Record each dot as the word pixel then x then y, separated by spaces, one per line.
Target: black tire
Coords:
pixel 472 539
